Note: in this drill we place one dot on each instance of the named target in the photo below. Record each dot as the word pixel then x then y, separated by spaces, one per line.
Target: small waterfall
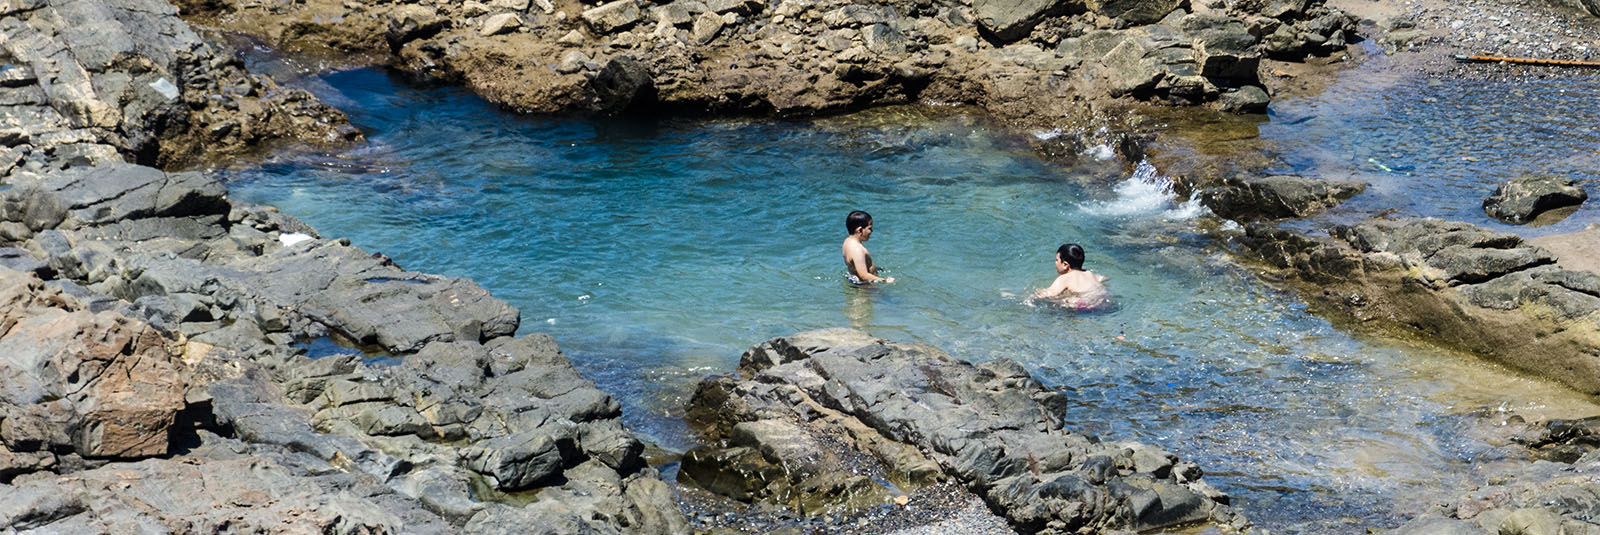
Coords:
pixel 1147 192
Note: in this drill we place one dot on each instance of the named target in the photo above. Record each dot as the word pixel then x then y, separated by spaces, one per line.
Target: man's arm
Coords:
pixel 1054 289
pixel 858 265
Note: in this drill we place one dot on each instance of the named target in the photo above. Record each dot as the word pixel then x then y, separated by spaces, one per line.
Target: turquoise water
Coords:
pixel 656 253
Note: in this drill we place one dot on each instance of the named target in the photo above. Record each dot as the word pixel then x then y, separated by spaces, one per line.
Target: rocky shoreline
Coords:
pixel 162 338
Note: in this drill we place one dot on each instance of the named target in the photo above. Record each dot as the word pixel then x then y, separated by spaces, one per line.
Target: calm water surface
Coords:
pixel 656 253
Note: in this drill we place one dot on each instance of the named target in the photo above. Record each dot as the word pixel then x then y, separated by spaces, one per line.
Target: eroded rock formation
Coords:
pixel 84 82
pixel 800 403
pixel 1034 61
pixel 170 305
pixel 1452 283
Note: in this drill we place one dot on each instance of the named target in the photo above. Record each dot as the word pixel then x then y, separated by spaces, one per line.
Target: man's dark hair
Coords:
pixel 856 220
pixel 1072 254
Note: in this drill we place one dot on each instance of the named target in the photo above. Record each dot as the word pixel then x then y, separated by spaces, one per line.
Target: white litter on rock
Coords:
pixel 291 238
pixel 165 88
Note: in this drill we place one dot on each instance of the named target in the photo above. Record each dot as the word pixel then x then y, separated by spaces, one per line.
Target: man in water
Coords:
pixel 1074 286
pixel 858 265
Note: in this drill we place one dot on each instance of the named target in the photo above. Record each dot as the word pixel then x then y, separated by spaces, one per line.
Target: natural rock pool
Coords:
pixel 656 253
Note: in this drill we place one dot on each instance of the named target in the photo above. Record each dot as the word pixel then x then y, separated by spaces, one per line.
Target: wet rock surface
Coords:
pixel 85 82
pixel 1484 292
pixel 916 415
pixel 1037 62
pixel 1524 199
pixel 1276 196
pixel 175 312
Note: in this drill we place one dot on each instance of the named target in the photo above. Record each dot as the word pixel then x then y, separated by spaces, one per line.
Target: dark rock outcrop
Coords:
pixel 1523 199
pixel 1276 197
pixel 1450 283
pixel 95 81
pixel 444 401
pixel 922 415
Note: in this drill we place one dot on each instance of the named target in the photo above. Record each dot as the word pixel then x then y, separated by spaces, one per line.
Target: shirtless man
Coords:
pixel 1075 286
pixel 858 265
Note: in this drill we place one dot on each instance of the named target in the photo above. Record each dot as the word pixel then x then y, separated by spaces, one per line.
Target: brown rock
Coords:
pixel 102 384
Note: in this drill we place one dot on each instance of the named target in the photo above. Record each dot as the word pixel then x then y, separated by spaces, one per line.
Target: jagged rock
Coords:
pixel 1451 283
pixel 93 384
pixel 706 27
pixel 1223 47
pixel 1523 199
pixel 108 80
pixel 1277 196
pixel 218 488
pixel 1010 20
pixel 613 16
pixel 989 426
pixel 171 248
pixel 622 83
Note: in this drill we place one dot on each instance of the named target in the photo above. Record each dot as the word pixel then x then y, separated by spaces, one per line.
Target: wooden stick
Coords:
pixel 1528 61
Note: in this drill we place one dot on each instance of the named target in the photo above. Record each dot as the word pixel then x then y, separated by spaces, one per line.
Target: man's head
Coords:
pixel 856 221
pixel 1071 255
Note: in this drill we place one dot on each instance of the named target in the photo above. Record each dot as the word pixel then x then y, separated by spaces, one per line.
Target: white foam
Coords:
pixel 1100 152
pixel 1048 135
pixel 1147 192
pixel 290 238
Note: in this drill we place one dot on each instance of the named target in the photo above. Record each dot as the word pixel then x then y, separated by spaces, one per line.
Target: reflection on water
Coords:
pixel 657 253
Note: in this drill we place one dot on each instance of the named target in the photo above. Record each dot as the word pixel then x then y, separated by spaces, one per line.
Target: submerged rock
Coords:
pixel 921 415
pixel 1523 199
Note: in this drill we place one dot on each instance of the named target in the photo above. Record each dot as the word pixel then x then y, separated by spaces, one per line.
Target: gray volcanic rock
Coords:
pixel 1276 197
pixel 916 410
pixel 224 485
pixel 1522 199
pixel 447 408
pixel 94 385
pixel 95 81
pixel 1451 283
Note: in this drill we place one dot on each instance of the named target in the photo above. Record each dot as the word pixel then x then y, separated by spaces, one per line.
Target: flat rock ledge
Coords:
pixel 1450 283
pixel 159 343
pixel 816 420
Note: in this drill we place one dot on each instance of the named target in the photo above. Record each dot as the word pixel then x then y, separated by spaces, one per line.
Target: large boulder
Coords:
pixel 914 409
pixel 1276 197
pixel 95 385
pixel 1010 20
pixel 1523 199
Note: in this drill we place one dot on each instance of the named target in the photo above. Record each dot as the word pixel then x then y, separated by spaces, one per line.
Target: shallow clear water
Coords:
pixel 657 253
pixel 1434 147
